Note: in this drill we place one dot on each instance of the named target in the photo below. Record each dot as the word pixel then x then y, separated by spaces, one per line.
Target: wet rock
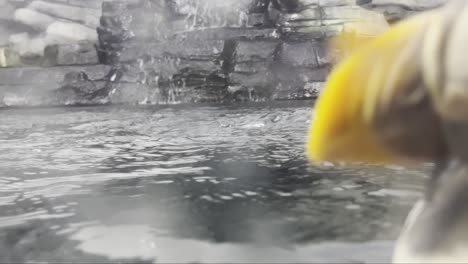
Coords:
pixel 299 75
pixel 94 4
pixel 33 18
pixel 258 6
pixel 309 90
pixel 213 13
pixel 292 81
pixel 71 32
pixel 179 90
pixel 310 13
pixel 134 93
pixel 187 50
pixel 175 79
pixel 80 53
pixel 255 50
pixel 256 20
pixel 299 54
pixel 87 16
pixel 251 86
pixel 325 55
pixel 167 68
pixel 50 75
pixel 79 83
pixel 259 79
pixel 202 50
pixel 178 70
pixel 251 67
pixel 30 49
pixel 322 21
pixel 66 85
pixel 124 20
pixel 228 34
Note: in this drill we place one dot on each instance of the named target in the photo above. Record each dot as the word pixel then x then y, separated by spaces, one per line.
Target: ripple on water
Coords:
pixel 216 183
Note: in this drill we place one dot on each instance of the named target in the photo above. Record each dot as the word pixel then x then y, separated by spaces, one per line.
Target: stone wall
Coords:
pixel 56 52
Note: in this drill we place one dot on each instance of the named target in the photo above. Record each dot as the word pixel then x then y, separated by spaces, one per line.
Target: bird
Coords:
pixel 401 97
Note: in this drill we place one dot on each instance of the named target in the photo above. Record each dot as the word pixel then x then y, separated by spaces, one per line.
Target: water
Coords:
pixel 188 184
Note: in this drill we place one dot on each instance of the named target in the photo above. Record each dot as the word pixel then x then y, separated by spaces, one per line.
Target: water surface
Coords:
pixel 188 184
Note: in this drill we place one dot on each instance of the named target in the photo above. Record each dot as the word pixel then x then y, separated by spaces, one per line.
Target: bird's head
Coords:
pixel 402 97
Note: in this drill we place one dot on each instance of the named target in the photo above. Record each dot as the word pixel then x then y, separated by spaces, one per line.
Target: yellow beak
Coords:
pixel 339 131
pixel 342 128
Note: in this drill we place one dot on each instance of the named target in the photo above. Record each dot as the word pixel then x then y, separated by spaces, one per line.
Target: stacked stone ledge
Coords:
pixel 173 51
pixel 48 52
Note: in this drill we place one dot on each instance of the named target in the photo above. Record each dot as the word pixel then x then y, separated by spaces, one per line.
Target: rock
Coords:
pixel 299 54
pixel 79 82
pixel 223 33
pixel 258 6
pixel 87 16
pixel 326 3
pixel 124 20
pixel 299 76
pixel 120 7
pixel 311 13
pixel 212 13
pixel 80 53
pixel 94 4
pixel 294 6
pixel 26 46
pixel 201 50
pixel 71 32
pixel 33 18
pixel 295 82
pixel 168 68
pixel 310 90
pixel 160 93
pixel 251 67
pixel 135 93
pixel 51 75
pixel 325 56
pixel 30 49
pixel 176 51
pixel 256 20
pixel 64 85
pixel 18 38
pixel 256 80
pixel 248 50
pixel 319 22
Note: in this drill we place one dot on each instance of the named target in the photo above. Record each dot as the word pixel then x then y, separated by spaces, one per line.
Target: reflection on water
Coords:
pixel 186 184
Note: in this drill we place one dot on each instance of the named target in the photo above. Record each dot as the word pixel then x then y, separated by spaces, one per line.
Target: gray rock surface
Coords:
pixel 178 51
pixel 80 53
pixel 53 85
